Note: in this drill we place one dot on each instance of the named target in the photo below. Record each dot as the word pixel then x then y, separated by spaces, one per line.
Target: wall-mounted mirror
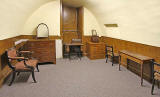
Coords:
pixel 42 31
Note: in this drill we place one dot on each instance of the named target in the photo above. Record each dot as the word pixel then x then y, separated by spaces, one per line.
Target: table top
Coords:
pixel 74 44
pixel 136 55
pixel 96 43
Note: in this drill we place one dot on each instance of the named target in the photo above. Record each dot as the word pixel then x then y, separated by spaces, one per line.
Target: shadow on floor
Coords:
pixel 21 78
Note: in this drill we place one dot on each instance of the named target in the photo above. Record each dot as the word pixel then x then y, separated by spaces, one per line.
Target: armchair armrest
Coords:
pixel 24 60
pixel 25 52
pixel 16 58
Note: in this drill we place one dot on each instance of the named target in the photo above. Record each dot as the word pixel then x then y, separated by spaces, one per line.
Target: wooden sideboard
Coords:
pixel 96 50
pixel 44 50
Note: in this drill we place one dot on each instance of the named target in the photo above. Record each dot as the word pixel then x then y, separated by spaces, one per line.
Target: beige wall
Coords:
pixel 138 20
pixel 14 13
pixel 48 14
pixel 90 23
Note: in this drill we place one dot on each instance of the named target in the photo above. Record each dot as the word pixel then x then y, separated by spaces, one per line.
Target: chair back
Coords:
pixel 109 50
pixel 156 70
pixel 76 41
pixel 10 53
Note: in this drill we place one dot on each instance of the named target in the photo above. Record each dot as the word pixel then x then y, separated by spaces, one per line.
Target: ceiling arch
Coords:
pixel 138 20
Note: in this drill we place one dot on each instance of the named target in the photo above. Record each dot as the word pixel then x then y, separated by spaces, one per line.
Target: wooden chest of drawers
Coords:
pixel 44 50
pixel 95 50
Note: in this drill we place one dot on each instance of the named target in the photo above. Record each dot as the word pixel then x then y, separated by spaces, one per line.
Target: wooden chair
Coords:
pixel 20 64
pixel 156 74
pixel 110 53
pixel 76 49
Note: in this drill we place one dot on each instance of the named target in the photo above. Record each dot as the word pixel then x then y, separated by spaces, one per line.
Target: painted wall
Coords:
pixel 48 14
pixel 14 13
pixel 90 23
pixel 138 20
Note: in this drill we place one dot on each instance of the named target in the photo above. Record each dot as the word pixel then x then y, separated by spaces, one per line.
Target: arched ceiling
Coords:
pixel 132 16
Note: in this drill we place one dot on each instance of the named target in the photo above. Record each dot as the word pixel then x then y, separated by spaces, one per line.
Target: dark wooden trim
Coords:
pixel 61 18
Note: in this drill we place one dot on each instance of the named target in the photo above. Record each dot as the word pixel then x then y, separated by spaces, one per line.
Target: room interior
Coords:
pixel 84 48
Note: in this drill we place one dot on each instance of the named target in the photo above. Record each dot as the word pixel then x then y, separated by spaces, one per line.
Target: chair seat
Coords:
pixel 20 65
pixel 157 76
pixel 116 54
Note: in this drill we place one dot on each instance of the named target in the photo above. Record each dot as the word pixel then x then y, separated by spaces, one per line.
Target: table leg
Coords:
pixel 127 62
pixel 142 74
pixel 69 52
pixel 119 62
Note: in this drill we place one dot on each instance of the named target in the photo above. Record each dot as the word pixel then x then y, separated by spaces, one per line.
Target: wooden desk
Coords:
pixel 138 58
pixel 69 45
pixel 72 44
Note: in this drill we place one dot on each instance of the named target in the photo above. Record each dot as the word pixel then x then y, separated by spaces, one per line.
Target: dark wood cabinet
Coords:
pixel 44 50
pixel 95 50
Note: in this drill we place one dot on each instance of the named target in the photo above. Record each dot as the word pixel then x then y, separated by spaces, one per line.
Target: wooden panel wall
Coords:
pixel 143 49
pixel 5 44
pixel 72 23
pixel 80 22
pixel 69 18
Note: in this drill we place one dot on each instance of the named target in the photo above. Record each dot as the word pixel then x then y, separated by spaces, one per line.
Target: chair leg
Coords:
pixel 13 77
pixel 69 55
pixel 153 86
pixel 33 76
pixel 18 73
pixel 158 84
pixel 112 60
pixel 37 67
pixel 79 54
pixel 106 58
